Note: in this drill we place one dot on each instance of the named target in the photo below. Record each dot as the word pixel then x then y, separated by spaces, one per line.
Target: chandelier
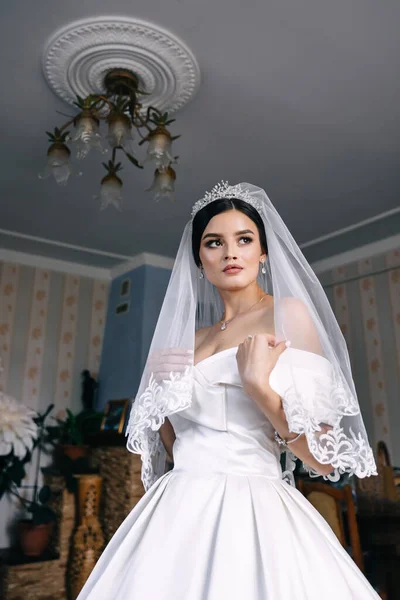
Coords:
pixel 122 112
pixel 123 77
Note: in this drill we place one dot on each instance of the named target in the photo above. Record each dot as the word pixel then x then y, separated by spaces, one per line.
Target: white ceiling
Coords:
pixel 299 97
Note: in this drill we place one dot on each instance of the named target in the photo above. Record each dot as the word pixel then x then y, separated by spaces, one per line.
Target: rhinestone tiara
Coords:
pixel 224 190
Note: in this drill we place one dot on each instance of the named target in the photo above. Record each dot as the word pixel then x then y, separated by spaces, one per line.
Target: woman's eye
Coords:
pixel 216 243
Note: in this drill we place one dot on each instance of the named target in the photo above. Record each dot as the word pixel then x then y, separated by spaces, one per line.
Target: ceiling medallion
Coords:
pixel 128 73
pixel 77 57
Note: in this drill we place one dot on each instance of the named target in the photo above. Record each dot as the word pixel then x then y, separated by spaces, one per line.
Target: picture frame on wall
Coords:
pixel 114 416
pixel 125 288
pixel 122 308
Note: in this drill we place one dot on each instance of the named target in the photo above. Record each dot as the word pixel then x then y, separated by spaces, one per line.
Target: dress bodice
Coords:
pixel 222 524
pixel 223 430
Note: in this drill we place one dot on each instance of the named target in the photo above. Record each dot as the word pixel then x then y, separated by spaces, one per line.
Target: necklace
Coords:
pixel 224 324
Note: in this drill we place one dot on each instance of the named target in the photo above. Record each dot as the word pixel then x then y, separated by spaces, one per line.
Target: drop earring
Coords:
pixel 201 276
pixel 263 270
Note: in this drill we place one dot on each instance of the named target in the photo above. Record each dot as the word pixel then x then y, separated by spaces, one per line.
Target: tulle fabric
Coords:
pixel 302 314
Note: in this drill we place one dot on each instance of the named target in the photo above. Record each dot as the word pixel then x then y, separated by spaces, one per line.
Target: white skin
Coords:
pixel 232 237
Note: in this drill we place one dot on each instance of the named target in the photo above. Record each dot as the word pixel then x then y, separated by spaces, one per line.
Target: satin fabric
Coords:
pixel 223 524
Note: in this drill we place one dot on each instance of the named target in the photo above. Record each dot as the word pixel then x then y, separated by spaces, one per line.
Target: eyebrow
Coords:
pixel 242 232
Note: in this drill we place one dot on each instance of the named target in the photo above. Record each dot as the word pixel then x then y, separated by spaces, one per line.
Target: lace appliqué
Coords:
pixel 149 411
pixel 345 451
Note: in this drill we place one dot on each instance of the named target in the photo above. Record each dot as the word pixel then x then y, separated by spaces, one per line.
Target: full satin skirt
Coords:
pixel 223 536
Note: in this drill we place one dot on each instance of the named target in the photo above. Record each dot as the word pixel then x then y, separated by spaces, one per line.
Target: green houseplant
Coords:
pixel 67 435
pixel 70 435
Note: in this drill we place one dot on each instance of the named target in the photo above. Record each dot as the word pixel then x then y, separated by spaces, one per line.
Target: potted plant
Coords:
pixel 71 434
pixel 35 533
pixel 22 431
pixel 67 436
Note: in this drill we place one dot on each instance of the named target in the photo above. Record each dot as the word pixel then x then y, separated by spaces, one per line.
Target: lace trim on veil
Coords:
pixel 148 413
pixel 345 451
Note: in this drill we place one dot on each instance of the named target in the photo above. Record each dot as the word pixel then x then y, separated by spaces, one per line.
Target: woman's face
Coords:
pixel 231 238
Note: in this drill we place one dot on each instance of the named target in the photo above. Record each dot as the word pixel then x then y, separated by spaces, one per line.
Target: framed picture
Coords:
pixel 114 416
pixel 122 308
pixel 125 287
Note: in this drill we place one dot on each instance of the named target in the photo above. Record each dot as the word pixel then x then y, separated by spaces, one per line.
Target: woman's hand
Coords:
pixel 162 362
pixel 256 357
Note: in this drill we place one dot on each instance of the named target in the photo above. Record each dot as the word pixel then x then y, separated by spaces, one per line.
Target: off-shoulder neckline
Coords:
pixel 216 354
pixel 321 359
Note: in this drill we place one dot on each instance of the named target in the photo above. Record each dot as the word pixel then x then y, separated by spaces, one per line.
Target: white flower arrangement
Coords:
pixel 18 430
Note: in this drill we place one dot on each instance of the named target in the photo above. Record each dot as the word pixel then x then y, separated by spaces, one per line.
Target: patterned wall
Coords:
pixel 366 299
pixel 51 328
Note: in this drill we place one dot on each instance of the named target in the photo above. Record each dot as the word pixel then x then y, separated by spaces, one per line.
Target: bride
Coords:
pixel 247 363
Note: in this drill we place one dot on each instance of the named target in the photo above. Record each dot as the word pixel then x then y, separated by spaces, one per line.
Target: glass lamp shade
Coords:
pixel 87 135
pixel 110 192
pixel 120 132
pixel 58 163
pixel 159 149
pixel 163 184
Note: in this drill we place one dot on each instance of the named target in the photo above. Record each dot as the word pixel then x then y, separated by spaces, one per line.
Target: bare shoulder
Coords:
pixel 201 335
pixel 295 307
pixel 300 325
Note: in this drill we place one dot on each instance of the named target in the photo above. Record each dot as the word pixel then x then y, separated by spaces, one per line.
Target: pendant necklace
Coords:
pixel 224 324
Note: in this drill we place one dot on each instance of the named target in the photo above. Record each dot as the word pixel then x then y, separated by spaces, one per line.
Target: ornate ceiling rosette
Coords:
pixel 77 58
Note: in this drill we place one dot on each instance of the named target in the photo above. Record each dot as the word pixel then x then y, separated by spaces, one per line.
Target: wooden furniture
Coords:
pixel 45 578
pixel 88 540
pixel 379 495
pixel 330 502
pixel 384 465
pixel 378 500
pixel 122 486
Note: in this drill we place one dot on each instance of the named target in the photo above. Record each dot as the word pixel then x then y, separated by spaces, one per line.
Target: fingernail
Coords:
pixel 288 343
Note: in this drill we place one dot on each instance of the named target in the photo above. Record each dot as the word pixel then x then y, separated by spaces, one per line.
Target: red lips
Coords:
pixel 232 267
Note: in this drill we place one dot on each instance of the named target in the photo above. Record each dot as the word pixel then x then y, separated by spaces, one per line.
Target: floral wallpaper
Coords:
pixel 98 317
pixel 365 296
pixel 393 264
pixel 9 276
pixel 36 339
pixel 375 357
pixel 51 328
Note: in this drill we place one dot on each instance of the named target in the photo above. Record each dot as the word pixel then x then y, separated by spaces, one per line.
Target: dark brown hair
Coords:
pixel 202 218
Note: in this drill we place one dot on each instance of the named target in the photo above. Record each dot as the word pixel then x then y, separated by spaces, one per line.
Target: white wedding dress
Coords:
pixel 223 525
